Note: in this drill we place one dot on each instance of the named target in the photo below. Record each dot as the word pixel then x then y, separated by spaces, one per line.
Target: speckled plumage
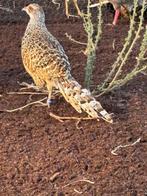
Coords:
pixel 46 62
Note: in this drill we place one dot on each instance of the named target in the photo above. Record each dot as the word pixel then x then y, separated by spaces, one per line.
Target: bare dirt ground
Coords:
pixel 43 157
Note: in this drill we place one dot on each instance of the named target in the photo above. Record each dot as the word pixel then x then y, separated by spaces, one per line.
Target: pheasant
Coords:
pixel 119 6
pixel 126 4
pixel 48 65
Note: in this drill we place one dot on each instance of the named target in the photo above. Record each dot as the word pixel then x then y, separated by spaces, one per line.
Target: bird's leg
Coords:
pixel 117 13
pixel 49 101
pixel 49 88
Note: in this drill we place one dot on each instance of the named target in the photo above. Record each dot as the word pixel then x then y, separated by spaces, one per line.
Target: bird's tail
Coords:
pixel 81 99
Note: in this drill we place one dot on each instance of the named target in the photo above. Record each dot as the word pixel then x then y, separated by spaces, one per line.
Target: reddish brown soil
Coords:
pixel 34 146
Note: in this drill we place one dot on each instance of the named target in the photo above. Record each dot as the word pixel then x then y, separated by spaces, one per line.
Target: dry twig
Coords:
pixel 54 176
pixel 77 124
pixel 62 118
pixel 76 181
pixel 56 3
pixel 27 93
pixel 79 192
pixel 124 146
pixel 22 107
pixel 99 4
pixel 75 41
pixel 28 86
pixel 113 44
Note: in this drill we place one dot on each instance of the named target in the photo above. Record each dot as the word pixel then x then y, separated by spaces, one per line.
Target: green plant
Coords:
pixel 116 77
pixel 94 32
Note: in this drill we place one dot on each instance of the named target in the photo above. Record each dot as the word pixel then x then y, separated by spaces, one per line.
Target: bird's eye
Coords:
pixel 30 8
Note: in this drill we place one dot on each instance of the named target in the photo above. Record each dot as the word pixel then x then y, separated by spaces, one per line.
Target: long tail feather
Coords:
pixel 81 99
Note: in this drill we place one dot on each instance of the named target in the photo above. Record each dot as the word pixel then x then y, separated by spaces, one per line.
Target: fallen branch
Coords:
pixel 27 93
pixel 124 146
pixel 76 181
pixel 62 118
pixel 79 192
pixel 73 40
pixel 22 107
pixel 39 91
pixel 77 124
pixel 28 86
pixel 54 176
pixel 99 4
pixel 56 3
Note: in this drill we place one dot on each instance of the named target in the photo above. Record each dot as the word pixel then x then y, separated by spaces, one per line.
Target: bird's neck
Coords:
pixel 33 23
pixel 37 18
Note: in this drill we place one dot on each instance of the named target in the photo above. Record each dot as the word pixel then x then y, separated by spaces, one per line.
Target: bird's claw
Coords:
pixel 50 101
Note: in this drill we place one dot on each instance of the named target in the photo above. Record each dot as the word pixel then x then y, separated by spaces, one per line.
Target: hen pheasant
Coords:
pixel 120 6
pixel 125 4
pixel 46 62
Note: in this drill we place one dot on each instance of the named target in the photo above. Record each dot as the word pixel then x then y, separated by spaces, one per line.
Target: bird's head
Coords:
pixel 35 12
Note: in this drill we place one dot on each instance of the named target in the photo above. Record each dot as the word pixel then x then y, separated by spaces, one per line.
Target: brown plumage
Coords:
pixel 46 62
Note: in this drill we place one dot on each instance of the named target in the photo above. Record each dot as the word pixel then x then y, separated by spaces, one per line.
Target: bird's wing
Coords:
pixel 56 53
pixel 43 50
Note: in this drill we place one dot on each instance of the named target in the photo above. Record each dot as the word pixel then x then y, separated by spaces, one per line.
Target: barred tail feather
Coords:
pixel 81 99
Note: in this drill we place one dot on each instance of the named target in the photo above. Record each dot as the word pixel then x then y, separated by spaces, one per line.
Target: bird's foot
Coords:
pixel 49 102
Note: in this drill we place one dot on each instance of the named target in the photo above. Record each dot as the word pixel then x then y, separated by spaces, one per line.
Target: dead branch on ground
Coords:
pixel 76 181
pixel 124 146
pixel 25 106
pixel 62 118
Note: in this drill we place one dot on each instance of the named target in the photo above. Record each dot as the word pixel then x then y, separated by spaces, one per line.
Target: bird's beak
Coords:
pixel 24 9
